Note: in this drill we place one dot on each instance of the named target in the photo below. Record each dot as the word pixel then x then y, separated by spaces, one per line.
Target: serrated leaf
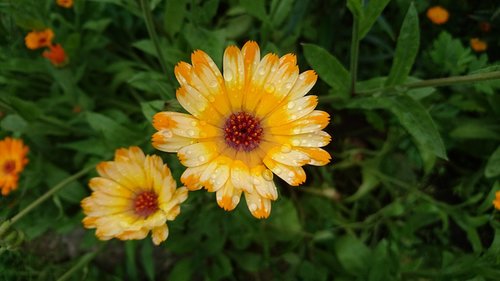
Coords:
pixel 371 12
pixel 328 68
pixel 493 167
pixel 449 55
pixel 406 49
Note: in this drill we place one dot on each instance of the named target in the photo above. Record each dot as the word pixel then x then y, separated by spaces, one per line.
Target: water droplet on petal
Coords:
pixel 228 75
pixel 191 132
pixel 297 131
pixel 252 207
pixel 267 175
pixel 291 174
pixel 213 84
pixel 269 88
pixel 201 158
pixel 288 85
pixel 236 199
pixel 296 142
pixel 277 170
pixel 286 148
pixel 262 71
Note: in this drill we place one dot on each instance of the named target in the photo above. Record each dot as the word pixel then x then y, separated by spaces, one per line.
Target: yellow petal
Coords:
pixel 166 140
pixel 294 176
pixel 228 197
pixel 262 180
pixel 234 76
pixel 240 176
pixel 259 207
pixel 198 154
pixel 303 85
pixel 314 121
pixel 159 234
pixel 290 111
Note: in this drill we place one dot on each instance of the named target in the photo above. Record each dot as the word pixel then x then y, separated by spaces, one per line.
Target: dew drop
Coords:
pixel 291 174
pixel 269 88
pixel 286 148
pixel 201 158
pixel 191 132
pixel 236 199
pixel 267 175
pixel 277 170
pixel 302 77
pixel 291 105
pixel 296 142
pixel 262 71
pixel 256 181
pixel 211 98
pixel 252 207
pixel 228 75
pixel 288 85
pixel 297 131
pixel 167 133
pixel 213 84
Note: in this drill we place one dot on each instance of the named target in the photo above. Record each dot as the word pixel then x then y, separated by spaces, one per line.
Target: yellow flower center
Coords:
pixel 146 203
pixel 242 131
pixel 9 166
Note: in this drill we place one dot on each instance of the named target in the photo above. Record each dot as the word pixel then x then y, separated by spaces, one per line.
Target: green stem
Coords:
pixel 148 18
pixel 440 82
pixel 354 54
pixel 81 263
pixel 49 193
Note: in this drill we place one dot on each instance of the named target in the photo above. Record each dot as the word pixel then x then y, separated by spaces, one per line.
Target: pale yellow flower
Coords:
pixel 245 125
pixel 134 194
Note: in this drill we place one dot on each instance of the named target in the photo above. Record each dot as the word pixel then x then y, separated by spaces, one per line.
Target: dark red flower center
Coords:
pixel 9 166
pixel 242 131
pixel 146 203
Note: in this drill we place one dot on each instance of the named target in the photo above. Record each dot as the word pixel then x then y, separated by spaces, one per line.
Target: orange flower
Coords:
pixel 56 55
pixel 496 202
pixel 250 122
pixel 12 161
pixel 478 45
pixel 39 39
pixel 65 3
pixel 438 15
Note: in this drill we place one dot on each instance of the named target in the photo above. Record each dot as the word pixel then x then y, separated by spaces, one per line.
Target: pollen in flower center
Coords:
pixel 9 166
pixel 146 203
pixel 242 131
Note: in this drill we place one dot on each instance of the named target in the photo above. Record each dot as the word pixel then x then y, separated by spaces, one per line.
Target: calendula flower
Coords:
pixel 496 202
pixel 39 39
pixel 56 55
pixel 478 45
pixel 244 125
pixel 65 3
pixel 134 194
pixel 12 161
pixel 438 15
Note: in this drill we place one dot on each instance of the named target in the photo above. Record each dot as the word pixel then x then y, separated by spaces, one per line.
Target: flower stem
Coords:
pixel 49 193
pixel 148 18
pixel 440 82
pixel 81 263
pixel 354 54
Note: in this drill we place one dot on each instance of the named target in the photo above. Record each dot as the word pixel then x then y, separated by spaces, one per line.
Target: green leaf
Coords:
pixel 352 254
pixel 212 42
pixel 406 49
pixel 256 8
pixel 493 167
pixel 27 109
pixel 280 9
pixel 328 68
pixel 285 220
pixel 369 179
pixel 418 122
pixel 13 123
pixel 356 8
pixel 248 261
pixel 115 134
pixel 175 12
pixel 182 270
pixel 449 55
pixel 371 12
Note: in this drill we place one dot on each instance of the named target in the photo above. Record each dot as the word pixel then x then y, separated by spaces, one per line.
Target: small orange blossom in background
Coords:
pixel 12 162
pixel 478 45
pixel 39 39
pixel 245 125
pixel 496 202
pixel 56 55
pixel 438 15
pixel 65 3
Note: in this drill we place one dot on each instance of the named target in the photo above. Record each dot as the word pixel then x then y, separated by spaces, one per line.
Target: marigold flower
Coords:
pixel 65 3
pixel 438 15
pixel 478 45
pixel 39 39
pixel 133 195
pixel 56 55
pixel 12 161
pixel 496 202
pixel 246 124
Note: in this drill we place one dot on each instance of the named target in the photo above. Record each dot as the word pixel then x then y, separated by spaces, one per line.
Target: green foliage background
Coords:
pixel 408 195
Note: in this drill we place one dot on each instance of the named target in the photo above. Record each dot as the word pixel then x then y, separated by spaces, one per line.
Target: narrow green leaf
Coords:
pixel 147 260
pixel 406 49
pixel 328 67
pixel 175 12
pixel 356 8
pixel 280 9
pixel 418 122
pixel 371 12
pixel 256 8
pixel 493 167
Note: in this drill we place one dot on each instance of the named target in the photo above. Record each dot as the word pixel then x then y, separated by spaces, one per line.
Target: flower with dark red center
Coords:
pixel 39 39
pixel 245 125
pixel 135 194
pixel 56 55
pixel 12 161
